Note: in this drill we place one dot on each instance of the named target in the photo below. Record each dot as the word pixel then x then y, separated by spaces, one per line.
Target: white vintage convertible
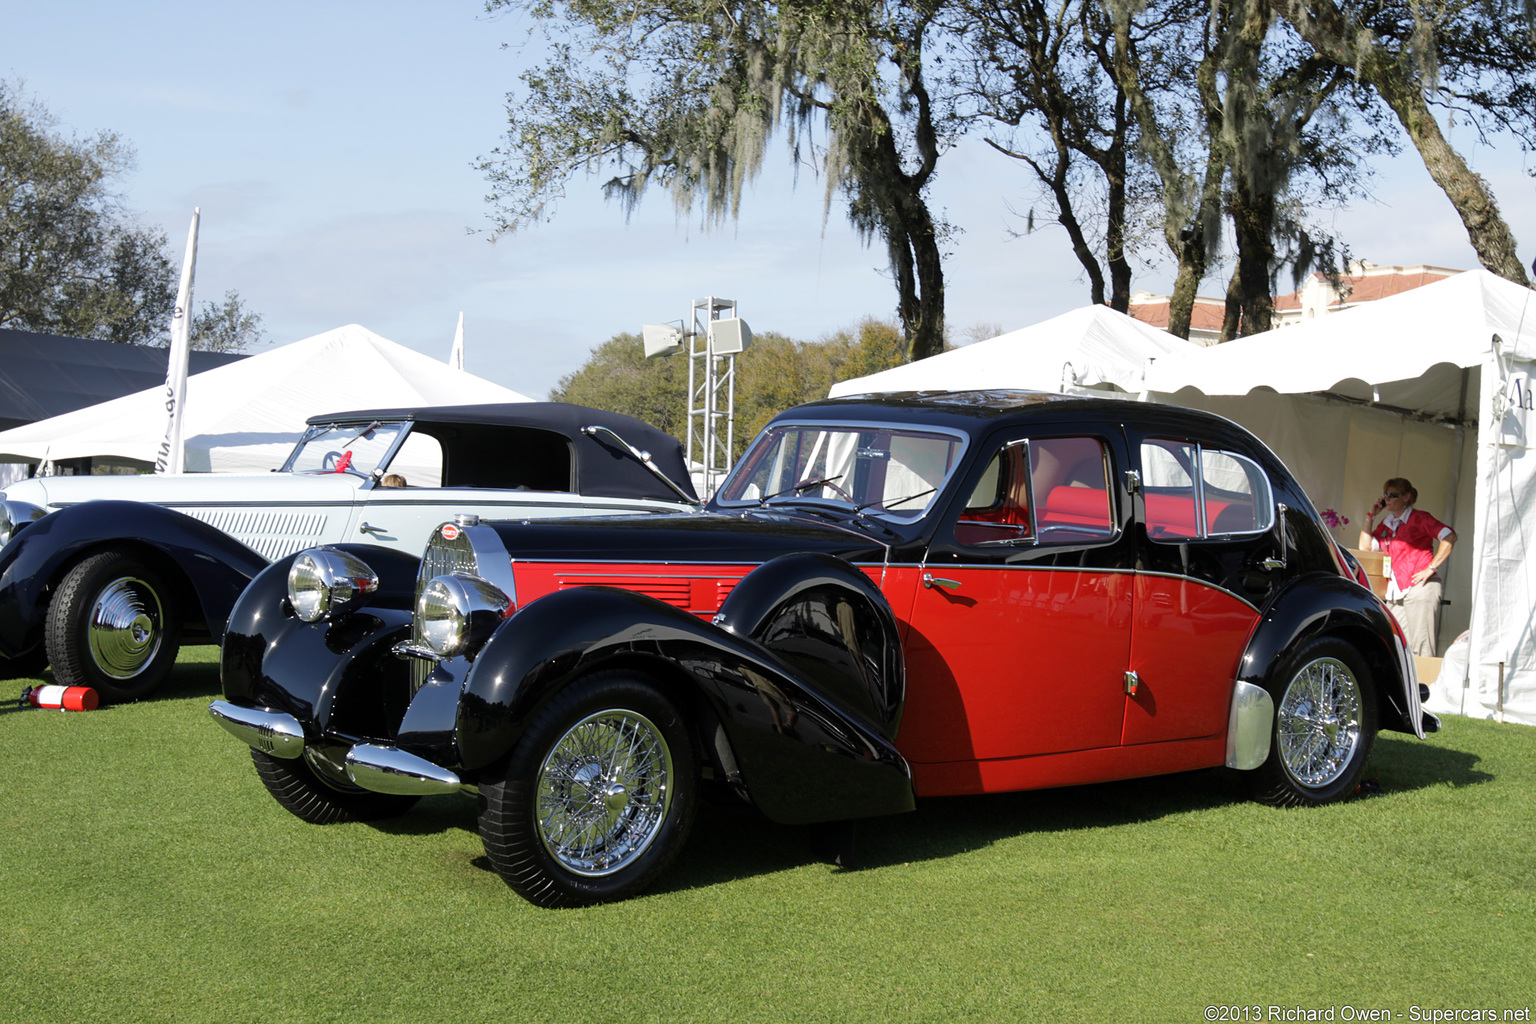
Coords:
pixel 104 577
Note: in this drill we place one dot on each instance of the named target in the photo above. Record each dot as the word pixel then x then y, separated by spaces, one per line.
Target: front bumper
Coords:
pixel 374 767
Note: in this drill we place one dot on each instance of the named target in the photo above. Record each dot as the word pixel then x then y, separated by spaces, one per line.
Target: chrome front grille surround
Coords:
pixel 442 557
pixel 471 549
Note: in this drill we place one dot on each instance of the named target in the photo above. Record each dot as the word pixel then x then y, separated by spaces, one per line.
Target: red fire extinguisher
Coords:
pixel 64 698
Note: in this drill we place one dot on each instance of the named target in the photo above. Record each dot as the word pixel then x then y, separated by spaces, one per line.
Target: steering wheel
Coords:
pixel 339 462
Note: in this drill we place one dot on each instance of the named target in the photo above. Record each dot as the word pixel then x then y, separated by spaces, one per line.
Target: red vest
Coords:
pixel 1411 548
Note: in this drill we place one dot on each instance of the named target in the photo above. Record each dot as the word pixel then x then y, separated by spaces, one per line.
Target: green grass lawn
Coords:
pixel 146 875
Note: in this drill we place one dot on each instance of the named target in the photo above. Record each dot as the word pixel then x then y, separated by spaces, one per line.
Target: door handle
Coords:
pixel 363 527
pixel 930 581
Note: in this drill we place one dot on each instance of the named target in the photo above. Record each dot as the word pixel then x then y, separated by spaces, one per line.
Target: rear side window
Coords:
pixel 1047 490
pixel 1191 493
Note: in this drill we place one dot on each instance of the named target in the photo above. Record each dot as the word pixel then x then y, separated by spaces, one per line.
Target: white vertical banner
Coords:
pixel 172 449
pixel 456 355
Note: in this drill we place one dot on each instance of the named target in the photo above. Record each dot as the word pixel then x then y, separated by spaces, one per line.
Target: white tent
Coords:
pixel 1092 348
pixel 245 416
pixel 1399 387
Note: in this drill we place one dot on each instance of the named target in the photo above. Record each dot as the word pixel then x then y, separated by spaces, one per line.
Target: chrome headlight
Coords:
pixel 323 582
pixel 458 612
pixel 14 515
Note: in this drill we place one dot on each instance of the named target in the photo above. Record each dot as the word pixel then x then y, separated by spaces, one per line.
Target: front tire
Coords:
pixel 112 626
pixel 1325 724
pixel 596 799
pixel 306 795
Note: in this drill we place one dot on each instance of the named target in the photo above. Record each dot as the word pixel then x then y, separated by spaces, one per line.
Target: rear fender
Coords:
pixel 1322 604
pixel 803 755
pixel 209 567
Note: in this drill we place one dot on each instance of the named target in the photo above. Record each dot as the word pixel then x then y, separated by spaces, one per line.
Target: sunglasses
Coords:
pixel 1391 494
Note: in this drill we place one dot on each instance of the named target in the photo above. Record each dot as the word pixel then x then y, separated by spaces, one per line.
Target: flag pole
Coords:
pixel 456 354
pixel 172 450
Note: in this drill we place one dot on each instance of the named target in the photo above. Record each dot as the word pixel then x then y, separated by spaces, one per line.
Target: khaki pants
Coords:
pixel 1419 612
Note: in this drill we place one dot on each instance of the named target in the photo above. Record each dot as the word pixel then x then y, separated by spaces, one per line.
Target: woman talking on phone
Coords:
pixel 1417 544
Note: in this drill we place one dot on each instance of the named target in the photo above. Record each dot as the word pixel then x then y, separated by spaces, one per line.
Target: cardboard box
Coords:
pixel 1374 564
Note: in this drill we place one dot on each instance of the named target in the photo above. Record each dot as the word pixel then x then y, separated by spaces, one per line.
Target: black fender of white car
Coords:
pixel 1322 604
pixel 206 568
pixel 793 691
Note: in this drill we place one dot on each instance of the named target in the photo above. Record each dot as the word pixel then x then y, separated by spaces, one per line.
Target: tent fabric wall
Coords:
pixel 245 416
pixel 1433 385
pixel 1500 664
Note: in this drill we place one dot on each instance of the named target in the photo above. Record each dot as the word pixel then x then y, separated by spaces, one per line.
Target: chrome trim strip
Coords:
pixel 271 732
pixel 1250 724
pixel 391 770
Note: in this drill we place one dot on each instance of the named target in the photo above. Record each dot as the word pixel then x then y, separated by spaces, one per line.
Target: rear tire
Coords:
pixel 1325 724
pixel 112 626
pixel 596 799
pixel 303 793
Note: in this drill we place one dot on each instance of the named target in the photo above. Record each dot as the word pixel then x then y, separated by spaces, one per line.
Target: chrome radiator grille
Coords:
pixel 441 558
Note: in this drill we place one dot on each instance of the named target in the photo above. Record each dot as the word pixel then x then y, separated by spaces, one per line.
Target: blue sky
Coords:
pixel 330 147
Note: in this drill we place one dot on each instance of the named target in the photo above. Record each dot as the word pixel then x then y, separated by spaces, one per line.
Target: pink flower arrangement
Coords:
pixel 1333 519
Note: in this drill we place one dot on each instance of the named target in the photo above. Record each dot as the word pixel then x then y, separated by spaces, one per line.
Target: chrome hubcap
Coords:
pixel 603 792
pixel 124 630
pixel 1319 722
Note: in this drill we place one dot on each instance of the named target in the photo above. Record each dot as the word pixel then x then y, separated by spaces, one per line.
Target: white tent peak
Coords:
pixel 1092 347
pixel 244 416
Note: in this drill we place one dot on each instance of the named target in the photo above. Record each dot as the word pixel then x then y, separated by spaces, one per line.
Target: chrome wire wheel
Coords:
pixel 1319 723
pixel 603 791
pixel 125 627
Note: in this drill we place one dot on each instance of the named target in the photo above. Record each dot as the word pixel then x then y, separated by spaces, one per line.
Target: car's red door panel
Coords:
pixel 1185 646
pixel 1015 661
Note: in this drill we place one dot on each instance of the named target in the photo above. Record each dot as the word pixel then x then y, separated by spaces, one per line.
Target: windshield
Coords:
pixel 880 469
pixel 356 448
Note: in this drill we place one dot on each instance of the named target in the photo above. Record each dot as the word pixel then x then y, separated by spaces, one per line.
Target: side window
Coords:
pixel 1232 496
pixel 1237 496
pixel 998 509
pixel 419 461
pixel 1168 471
pixel 1070 480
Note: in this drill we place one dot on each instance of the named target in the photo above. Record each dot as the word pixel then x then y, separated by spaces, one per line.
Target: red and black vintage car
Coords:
pixel 890 598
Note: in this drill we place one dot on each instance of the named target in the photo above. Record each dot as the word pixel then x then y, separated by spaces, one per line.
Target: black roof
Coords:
pixel 43 375
pixel 977 412
pixel 603 469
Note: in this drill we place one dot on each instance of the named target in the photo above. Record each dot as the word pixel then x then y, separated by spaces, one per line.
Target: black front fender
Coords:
pixel 213 566
pixel 335 676
pixel 804 754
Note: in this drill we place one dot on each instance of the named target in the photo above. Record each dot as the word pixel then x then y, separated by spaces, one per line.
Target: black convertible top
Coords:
pixel 601 467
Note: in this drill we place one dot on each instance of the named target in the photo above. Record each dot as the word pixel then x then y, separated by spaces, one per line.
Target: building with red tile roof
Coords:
pixel 1365 282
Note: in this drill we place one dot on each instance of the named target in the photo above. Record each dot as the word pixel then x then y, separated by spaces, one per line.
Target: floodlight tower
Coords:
pixel 712 341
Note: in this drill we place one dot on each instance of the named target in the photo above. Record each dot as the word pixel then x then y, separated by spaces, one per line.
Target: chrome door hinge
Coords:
pixel 1132 680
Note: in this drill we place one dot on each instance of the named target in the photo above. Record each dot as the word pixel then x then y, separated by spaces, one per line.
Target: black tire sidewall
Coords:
pixel 68 622
pixel 508 798
pixel 1275 783
pixel 304 794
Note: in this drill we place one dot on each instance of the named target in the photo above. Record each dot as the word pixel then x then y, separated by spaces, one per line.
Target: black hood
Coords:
pixel 754 536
